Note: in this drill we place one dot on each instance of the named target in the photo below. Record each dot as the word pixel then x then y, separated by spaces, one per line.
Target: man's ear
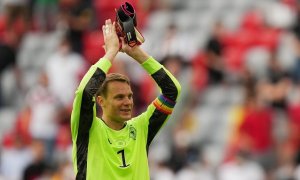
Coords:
pixel 100 100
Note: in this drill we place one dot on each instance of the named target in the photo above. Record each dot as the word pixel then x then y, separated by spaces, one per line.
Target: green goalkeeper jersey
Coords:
pixel 101 153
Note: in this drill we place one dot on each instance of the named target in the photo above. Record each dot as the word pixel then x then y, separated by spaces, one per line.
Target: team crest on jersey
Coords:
pixel 132 132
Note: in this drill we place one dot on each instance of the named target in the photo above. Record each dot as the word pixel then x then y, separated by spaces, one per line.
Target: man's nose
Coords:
pixel 127 101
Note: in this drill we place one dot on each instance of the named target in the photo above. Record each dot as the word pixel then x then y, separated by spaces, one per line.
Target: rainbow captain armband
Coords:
pixel 164 104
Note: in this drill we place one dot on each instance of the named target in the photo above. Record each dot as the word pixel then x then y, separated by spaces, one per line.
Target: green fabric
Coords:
pixel 104 65
pixel 118 155
pixel 177 84
pixel 115 155
pixel 151 65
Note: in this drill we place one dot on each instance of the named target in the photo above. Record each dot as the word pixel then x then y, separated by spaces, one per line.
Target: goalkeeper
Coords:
pixel 115 145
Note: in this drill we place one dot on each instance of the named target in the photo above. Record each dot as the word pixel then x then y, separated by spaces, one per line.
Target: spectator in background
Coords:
pixel 200 168
pixel 278 82
pixel 183 149
pixel 242 167
pixel 208 65
pixel 16 12
pixel 79 15
pixel 64 69
pixel 45 14
pixel 174 42
pixel 13 27
pixel 15 156
pixel 214 51
pixel 43 123
pixel 38 168
pixel 8 50
pixel 8 53
pixel 256 130
pixel 170 41
pixel 65 169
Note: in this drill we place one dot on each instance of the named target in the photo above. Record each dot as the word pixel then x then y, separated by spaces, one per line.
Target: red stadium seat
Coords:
pixel 234 58
pixel 2 26
pixel 92 46
pixel 252 20
pixel 268 38
pixel 200 77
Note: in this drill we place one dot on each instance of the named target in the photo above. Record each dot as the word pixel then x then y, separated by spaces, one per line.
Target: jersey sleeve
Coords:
pixel 160 109
pixel 84 102
pixel 83 113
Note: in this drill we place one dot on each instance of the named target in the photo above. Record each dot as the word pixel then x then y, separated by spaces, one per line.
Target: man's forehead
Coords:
pixel 118 87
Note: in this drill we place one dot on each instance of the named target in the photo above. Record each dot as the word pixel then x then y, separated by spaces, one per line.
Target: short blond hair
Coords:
pixel 102 91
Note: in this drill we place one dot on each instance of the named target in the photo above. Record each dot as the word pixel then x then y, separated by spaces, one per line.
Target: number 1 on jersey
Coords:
pixel 122 152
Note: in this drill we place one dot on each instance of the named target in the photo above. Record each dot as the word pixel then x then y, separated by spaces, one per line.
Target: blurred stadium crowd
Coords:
pixel 238 62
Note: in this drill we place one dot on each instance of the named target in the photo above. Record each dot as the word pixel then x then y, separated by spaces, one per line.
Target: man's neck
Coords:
pixel 113 124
